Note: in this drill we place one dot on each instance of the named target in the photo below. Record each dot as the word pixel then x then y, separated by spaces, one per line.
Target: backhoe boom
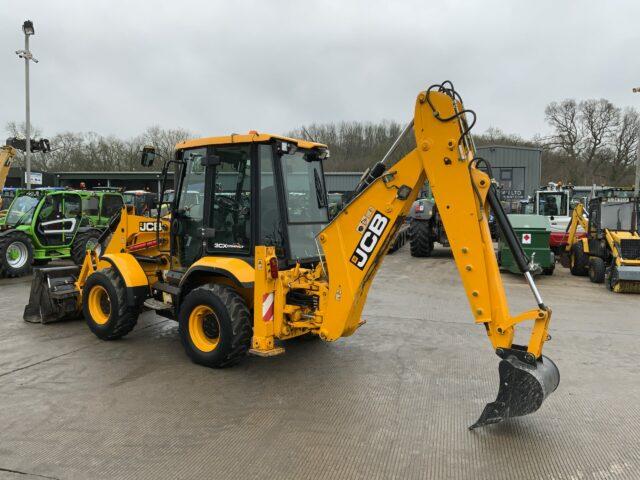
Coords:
pixel 361 234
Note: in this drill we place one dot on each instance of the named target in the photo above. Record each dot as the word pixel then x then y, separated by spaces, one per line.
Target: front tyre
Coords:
pixel 597 270
pixel 215 326
pixel 105 307
pixel 16 255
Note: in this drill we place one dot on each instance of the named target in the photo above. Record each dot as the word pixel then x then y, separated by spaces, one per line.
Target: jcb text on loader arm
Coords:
pixel 248 258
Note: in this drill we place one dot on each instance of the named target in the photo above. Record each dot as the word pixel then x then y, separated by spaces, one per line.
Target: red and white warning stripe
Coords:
pixel 267 307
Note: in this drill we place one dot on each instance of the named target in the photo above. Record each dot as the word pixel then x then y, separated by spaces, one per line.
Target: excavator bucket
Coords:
pixel 53 296
pixel 524 384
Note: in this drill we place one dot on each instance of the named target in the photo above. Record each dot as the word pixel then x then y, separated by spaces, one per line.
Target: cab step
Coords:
pixel 157 305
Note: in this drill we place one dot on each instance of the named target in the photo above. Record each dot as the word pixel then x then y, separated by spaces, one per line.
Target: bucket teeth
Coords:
pixel 524 385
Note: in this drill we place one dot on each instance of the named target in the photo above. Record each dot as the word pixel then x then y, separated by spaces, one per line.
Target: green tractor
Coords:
pixel 46 224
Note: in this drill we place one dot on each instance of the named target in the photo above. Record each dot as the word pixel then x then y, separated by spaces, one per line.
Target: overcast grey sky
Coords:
pixel 214 67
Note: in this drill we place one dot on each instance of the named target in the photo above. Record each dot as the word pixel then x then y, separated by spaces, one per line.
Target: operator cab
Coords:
pixel 236 192
pixel 55 215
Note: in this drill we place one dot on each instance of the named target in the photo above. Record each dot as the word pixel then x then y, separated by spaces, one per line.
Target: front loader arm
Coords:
pixel 357 240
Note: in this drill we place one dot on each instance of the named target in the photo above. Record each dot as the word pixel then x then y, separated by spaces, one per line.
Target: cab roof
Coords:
pixel 251 137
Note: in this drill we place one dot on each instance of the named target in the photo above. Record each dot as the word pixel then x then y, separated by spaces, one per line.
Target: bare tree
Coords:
pixel 563 117
pixel 164 140
pixel 595 137
pixel 623 144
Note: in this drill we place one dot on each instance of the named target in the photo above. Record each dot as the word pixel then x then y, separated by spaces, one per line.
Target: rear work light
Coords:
pixel 273 267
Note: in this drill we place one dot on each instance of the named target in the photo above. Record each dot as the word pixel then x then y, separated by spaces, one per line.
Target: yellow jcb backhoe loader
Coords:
pixel 253 259
pixel 610 252
pixel 6 158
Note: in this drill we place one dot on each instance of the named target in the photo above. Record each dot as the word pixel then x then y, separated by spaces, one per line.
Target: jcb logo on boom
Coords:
pixel 152 227
pixel 369 240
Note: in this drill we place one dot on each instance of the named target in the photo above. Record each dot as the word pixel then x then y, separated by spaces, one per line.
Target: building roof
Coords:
pixel 537 149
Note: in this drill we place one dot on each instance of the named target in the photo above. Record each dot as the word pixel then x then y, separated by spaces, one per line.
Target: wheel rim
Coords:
pixel 17 254
pixel 204 328
pixel 99 305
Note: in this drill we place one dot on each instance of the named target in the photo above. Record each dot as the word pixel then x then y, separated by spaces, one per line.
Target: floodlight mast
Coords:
pixel 28 29
pixel 636 189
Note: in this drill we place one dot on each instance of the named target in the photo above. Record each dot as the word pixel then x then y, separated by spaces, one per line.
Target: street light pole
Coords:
pixel 27 28
pixel 636 189
pixel 28 112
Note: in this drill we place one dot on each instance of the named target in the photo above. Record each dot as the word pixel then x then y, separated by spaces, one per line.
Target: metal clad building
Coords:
pixel 341 182
pixel 518 170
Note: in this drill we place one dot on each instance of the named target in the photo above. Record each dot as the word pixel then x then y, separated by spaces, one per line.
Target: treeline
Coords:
pixel 592 141
pixel 89 151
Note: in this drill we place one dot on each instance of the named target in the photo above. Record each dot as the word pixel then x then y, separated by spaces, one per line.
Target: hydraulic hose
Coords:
pixel 507 231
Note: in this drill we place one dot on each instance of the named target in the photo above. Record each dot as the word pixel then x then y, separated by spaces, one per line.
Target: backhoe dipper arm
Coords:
pixel 357 240
pixel 577 219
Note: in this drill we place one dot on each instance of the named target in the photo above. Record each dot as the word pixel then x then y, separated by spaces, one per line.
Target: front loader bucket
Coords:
pixel 524 384
pixel 53 295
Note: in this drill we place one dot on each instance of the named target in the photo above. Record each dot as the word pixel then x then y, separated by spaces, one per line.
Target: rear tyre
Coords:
pixel 579 261
pixel 596 270
pixel 16 255
pixel 420 241
pixel 84 241
pixel 104 304
pixel 215 326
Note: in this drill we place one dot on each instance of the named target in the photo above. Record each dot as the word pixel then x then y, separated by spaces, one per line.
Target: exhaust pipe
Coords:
pixel 53 295
pixel 524 385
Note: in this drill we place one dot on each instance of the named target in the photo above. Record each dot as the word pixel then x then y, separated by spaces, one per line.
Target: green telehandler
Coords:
pixel 47 224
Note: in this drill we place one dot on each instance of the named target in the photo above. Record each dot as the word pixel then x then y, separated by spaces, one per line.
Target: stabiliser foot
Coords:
pixel 525 382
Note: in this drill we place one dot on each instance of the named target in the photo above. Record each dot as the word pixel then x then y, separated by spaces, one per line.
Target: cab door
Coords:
pixel 187 221
pixel 213 204
pixel 58 219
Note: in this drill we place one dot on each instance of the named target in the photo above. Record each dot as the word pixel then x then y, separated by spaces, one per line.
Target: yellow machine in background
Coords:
pixel 6 158
pixel 610 252
pixel 573 256
pixel 251 259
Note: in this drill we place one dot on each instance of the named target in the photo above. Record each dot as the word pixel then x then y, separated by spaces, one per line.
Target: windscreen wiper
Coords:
pixel 320 194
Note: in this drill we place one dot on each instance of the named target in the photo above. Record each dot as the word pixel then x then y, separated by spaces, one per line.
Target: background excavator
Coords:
pixel 254 260
pixel 7 154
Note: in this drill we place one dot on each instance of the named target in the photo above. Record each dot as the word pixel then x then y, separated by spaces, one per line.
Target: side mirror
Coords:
pixel 148 156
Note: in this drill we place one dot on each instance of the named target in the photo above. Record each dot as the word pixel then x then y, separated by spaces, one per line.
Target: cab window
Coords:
pixel 91 206
pixel 271 231
pixel 111 204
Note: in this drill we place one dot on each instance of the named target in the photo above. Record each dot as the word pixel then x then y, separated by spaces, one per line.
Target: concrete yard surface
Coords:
pixel 393 401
